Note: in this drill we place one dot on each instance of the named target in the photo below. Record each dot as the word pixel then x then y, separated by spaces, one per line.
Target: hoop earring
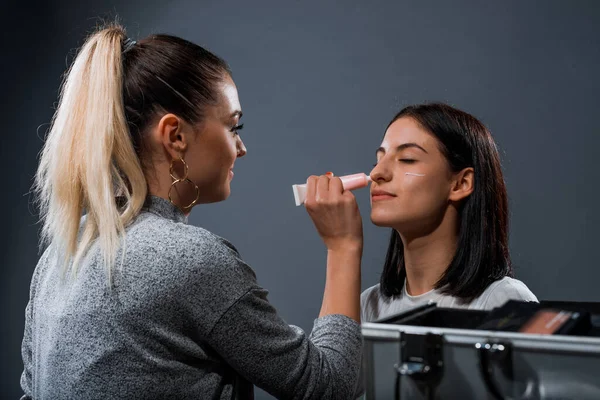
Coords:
pixel 184 179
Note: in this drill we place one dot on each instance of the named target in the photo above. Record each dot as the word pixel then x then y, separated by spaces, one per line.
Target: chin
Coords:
pixel 224 195
pixel 380 219
pixel 215 197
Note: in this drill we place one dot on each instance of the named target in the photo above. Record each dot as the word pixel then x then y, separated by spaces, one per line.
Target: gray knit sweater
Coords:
pixel 184 319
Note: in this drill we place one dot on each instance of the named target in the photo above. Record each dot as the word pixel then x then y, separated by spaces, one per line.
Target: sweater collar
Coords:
pixel 164 208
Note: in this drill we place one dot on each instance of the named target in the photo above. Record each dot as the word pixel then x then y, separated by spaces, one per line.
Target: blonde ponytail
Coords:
pixel 89 158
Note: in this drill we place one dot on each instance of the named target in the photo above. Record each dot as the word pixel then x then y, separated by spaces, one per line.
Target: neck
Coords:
pixel 426 257
pixel 159 184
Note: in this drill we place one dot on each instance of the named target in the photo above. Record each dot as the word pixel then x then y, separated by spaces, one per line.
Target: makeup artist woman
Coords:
pixel 128 301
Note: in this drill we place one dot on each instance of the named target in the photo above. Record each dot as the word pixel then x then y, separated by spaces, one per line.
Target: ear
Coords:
pixel 463 185
pixel 171 135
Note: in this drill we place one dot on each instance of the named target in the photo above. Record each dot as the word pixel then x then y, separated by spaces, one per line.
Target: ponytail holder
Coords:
pixel 127 45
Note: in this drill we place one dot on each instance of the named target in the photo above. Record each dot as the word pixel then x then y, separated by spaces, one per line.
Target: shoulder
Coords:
pixel 502 290
pixel 172 234
pixel 370 295
pixel 179 238
pixel 186 267
pixel 514 288
pixel 369 303
pixel 188 249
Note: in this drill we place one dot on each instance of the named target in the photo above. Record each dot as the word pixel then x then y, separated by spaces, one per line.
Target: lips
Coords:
pixel 378 194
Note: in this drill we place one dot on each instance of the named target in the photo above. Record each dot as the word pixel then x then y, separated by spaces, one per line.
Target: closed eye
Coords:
pixel 408 160
pixel 236 128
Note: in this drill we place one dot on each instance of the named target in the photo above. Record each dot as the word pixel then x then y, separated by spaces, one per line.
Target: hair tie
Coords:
pixel 127 44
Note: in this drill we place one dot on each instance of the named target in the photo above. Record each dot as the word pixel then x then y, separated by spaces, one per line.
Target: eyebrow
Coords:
pixel 402 147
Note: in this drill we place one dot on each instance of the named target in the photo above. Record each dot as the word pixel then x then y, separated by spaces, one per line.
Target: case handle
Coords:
pixel 422 360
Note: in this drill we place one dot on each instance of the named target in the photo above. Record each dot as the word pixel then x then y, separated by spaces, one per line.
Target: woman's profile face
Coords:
pixel 217 145
pixel 411 180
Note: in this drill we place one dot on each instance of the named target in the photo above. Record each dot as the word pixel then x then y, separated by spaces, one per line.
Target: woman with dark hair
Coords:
pixel 438 184
pixel 129 301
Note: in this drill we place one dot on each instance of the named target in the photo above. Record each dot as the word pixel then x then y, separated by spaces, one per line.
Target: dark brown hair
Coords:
pixel 482 255
pixel 167 73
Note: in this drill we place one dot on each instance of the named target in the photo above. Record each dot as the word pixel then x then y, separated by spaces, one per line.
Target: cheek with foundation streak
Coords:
pixel 413 174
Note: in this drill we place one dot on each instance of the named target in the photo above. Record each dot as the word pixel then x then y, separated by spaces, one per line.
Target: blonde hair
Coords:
pixel 89 157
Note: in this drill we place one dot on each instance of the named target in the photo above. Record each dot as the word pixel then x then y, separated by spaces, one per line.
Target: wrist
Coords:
pixel 348 247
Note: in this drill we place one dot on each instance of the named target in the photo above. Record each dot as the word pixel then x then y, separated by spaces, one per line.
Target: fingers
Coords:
pixel 335 186
pixel 311 190
pixel 322 188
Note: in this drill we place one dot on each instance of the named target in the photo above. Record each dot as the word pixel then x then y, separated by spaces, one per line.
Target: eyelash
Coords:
pixel 405 160
pixel 236 128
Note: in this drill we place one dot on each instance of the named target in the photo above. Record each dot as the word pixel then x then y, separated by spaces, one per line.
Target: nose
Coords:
pixel 241 148
pixel 381 172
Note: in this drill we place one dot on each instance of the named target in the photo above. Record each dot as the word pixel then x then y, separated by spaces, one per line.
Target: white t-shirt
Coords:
pixel 374 305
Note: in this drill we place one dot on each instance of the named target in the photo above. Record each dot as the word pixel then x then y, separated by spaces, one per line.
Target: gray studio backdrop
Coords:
pixel 318 83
